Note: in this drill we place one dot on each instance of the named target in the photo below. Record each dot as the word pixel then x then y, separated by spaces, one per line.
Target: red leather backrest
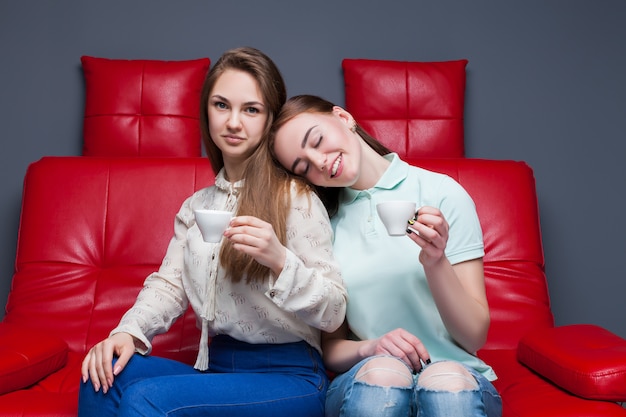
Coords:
pixel 91 230
pixel 506 202
pixel 415 108
pixel 142 107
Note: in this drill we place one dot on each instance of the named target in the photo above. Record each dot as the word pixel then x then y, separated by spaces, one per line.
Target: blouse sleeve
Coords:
pixel 162 298
pixel 310 284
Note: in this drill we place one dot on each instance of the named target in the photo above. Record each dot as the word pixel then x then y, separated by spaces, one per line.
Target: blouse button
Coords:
pixel 272 293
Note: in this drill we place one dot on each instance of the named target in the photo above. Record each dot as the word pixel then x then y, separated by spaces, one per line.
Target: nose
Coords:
pixel 234 121
pixel 318 159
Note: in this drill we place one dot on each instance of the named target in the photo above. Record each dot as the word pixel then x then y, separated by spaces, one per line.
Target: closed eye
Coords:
pixel 302 168
pixel 307 166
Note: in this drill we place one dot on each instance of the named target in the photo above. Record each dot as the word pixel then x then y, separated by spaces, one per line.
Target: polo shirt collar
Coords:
pixel 395 174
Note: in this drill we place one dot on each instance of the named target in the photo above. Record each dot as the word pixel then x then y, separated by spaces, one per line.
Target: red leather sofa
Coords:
pixel 92 227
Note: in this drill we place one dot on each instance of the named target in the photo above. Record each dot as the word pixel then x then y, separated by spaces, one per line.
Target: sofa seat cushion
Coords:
pixel 27 356
pixel 524 394
pixel 36 403
pixel 584 359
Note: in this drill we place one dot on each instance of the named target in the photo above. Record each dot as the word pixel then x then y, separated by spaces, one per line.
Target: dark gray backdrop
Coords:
pixel 545 84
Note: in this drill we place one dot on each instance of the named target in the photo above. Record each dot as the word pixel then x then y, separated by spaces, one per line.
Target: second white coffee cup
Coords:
pixel 395 214
pixel 212 223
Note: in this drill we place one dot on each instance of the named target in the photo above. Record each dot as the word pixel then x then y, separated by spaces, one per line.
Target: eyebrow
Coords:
pixel 248 103
pixel 302 145
pixel 218 97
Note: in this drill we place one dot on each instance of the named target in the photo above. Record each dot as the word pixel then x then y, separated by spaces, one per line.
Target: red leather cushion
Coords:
pixel 142 107
pixel 106 228
pixel 414 108
pixel 524 394
pixel 28 355
pixel 586 360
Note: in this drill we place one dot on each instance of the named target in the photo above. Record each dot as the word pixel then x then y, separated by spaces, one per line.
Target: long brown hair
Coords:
pixel 307 103
pixel 266 189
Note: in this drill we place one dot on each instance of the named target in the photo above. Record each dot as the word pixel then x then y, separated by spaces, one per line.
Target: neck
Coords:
pixel 373 166
pixel 233 171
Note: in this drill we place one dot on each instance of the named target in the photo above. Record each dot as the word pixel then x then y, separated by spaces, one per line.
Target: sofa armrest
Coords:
pixel 27 356
pixel 584 359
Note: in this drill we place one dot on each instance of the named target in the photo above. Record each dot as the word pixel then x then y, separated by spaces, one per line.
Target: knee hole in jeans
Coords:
pixel 386 372
pixel 447 376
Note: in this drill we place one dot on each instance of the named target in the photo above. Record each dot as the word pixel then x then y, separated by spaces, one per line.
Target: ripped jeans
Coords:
pixel 418 397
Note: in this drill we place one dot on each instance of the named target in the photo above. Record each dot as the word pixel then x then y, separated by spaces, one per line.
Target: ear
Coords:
pixel 343 116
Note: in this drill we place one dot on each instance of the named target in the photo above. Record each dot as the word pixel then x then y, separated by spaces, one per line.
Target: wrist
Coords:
pixel 278 267
pixel 365 350
pixel 432 264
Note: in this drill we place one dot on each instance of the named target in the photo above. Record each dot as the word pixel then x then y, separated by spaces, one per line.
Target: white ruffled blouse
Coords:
pixel 307 296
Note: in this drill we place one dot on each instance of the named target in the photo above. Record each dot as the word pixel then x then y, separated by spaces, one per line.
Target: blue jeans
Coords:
pixel 349 397
pixel 243 380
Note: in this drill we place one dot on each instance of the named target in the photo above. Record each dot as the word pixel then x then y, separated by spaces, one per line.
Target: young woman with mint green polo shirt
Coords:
pixel 417 309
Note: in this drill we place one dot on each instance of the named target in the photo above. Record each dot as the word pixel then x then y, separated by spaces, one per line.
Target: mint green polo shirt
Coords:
pixel 386 283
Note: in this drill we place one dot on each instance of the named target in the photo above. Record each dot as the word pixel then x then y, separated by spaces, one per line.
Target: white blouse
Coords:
pixel 307 296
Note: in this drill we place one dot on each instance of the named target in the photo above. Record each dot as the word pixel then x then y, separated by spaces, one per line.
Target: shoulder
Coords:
pixel 202 198
pixel 444 183
pixel 304 200
pixel 442 191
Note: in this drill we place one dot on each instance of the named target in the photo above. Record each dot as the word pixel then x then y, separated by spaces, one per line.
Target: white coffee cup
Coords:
pixel 212 223
pixel 395 214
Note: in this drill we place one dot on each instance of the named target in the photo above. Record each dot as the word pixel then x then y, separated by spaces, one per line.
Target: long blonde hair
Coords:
pixel 266 189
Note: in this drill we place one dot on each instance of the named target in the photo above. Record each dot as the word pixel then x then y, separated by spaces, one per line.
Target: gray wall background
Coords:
pixel 545 84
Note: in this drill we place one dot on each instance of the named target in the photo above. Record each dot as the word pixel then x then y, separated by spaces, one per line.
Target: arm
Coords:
pixel 310 285
pixel 306 278
pixel 341 354
pixel 459 290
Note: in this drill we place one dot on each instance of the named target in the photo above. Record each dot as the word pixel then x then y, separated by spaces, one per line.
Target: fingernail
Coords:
pixel 409 231
pixel 117 370
pixel 427 361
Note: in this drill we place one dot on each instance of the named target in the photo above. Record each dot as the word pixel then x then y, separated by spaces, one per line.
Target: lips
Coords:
pixel 232 139
pixel 336 165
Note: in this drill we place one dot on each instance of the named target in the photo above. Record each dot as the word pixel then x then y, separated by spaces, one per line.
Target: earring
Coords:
pixel 353 128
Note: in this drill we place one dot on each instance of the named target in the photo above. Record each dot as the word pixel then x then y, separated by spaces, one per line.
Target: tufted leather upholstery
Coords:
pixel 415 108
pixel 92 228
pixel 142 107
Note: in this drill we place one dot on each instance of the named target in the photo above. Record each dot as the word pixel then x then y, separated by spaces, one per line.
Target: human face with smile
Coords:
pixel 237 117
pixel 320 147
